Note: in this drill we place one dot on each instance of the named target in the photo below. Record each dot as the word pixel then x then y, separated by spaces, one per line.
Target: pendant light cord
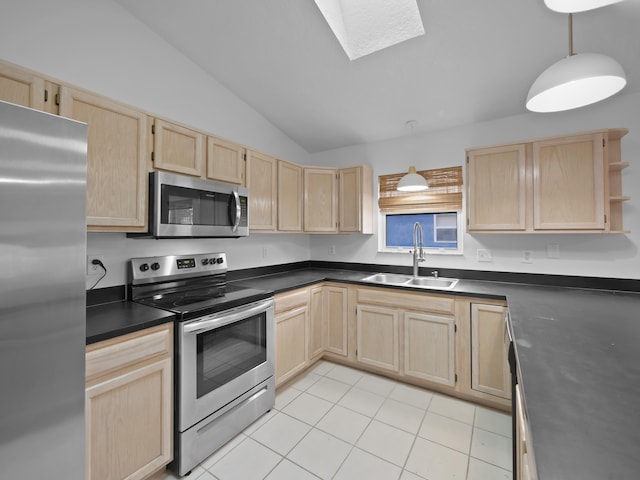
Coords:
pixel 571 53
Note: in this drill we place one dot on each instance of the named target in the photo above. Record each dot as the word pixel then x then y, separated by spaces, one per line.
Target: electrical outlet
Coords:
pixel 527 256
pixel 332 249
pixel 483 255
pixel 553 250
pixel 94 269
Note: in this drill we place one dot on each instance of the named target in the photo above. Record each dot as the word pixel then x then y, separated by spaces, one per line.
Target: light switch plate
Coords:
pixel 527 256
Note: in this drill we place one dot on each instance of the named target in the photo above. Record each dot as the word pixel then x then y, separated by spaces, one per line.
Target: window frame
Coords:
pixel 382 233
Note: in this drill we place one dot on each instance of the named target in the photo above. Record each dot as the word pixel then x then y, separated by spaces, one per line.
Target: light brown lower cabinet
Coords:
pixel 291 327
pixel 129 405
pixel 377 330
pixel 489 364
pixel 450 344
pixel 429 347
pixel 526 466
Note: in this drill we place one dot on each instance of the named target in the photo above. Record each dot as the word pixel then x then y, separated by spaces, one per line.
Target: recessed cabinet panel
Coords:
pixel 116 160
pixel 317 324
pixel 429 347
pixel 569 183
pixel 178 149
pixel 291 342
pixel 337 302
pixel 496 186
pixel 21 87
pixel 489 363
pixel 262 178
pixel 320 200
pixel 225 161
pixel 377 331
pixel 290 197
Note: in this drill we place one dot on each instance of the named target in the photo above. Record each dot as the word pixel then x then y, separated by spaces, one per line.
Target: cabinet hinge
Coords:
pixel 603 142
pixel 244 157
pixel 467 158
pixel 153 157
pixel 57 99
pixel 605 218
pixel 153 129
pixel 455 328
pixel 46 95
pixel 455 378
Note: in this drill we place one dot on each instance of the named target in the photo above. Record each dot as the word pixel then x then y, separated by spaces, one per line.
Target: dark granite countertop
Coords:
pixel 579 366
pixel 110 320
pixel 578 359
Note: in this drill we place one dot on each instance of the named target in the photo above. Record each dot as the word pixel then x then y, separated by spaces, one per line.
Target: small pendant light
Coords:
pixel 575 81
pixel 412 182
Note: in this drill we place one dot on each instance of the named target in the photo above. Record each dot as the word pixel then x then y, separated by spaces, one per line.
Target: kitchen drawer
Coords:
pixel 295 298
pixel 117 353
pixel 405 300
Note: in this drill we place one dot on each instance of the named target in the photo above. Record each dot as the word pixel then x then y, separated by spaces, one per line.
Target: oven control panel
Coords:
pixel 158 269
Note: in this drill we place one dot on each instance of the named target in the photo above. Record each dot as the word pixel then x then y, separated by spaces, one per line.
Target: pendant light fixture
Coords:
pixel 412 182
pixel 574 6
pixel 575 81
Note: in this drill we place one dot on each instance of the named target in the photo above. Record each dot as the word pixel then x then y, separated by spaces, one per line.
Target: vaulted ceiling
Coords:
pixel 475 62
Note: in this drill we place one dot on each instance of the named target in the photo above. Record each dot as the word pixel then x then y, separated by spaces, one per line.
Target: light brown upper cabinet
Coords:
pixel 320 200
pixel 116 160
pixel 355 187
pixel 566 184
pixel 262 182
pixel 225 161
pixel 290 196
pixel 177 149
pixel 496 188
pixel 21 87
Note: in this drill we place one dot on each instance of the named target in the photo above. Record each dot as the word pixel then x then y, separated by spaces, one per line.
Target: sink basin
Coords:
pixel 410 281
pixel 433 282
pixel 392 278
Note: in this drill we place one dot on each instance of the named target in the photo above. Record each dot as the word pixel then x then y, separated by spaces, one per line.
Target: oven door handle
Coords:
pixel 218 320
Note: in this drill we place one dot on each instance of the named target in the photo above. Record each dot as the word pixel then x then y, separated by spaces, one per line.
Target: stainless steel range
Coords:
pixel 224 344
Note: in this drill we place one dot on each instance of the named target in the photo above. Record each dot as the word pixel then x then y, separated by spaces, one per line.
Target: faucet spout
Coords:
pixel 417 244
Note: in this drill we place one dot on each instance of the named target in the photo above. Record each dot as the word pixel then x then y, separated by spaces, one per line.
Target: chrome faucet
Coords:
pixel 417 243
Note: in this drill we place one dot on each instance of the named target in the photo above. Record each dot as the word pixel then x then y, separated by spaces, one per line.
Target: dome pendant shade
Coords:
pixel 574 6
pixel 576 81
pixel 412 182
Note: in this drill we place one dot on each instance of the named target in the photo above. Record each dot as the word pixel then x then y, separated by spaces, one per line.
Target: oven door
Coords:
pixel 222 356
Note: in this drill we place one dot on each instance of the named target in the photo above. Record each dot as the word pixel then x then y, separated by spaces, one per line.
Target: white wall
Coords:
pixel 584 254
pixel 97 45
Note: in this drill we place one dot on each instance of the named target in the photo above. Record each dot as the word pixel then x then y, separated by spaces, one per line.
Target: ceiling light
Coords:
pixel 412 182
pixel 575 81
pixel 573 6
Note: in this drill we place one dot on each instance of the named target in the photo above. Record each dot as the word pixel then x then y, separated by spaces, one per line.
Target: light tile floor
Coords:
pixel 339 423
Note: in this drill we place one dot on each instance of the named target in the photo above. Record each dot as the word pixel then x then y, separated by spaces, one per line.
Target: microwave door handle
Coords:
pixel 238 211
pixel 219 320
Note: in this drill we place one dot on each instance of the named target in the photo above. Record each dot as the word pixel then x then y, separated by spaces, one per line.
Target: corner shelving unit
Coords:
pixel 616 165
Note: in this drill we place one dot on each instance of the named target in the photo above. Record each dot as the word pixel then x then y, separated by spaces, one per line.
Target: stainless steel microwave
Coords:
pixel 186 207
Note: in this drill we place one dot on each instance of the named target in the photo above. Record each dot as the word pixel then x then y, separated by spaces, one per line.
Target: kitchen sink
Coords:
pixel 433 282
pixel 392 278
pixel 410 281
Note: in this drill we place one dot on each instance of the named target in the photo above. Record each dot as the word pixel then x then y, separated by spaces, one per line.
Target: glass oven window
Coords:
pixel 230 351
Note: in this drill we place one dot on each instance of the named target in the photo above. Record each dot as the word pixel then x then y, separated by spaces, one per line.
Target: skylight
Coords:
pixel 366 26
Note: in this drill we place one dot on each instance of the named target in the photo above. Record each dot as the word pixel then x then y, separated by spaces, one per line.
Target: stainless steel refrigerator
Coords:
pixel 43 165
